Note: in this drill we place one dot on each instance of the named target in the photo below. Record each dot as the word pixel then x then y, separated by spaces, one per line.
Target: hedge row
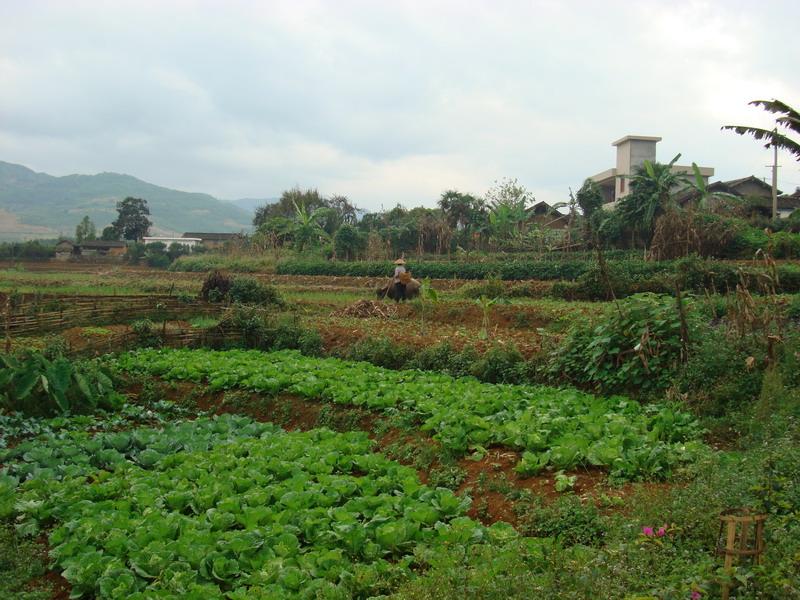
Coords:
pixel 697 274
pixel 509 270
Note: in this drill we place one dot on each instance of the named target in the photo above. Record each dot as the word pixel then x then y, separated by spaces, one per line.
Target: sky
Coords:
pixel 388 102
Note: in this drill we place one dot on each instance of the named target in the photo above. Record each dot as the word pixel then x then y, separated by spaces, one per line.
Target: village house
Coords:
pixel 213 241
pixel 755 195
pixel 67 250
pixel 545 215
pixel 632 151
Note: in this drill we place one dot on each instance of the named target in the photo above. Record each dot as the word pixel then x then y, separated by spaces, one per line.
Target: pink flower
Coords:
pixel 662 531
pixel 695 595
pixel 648 531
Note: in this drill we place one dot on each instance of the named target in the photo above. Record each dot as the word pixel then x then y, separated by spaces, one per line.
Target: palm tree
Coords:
pixel 790 120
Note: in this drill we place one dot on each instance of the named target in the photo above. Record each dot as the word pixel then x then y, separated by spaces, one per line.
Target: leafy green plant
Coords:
pixel 639 347
pixel 229 507
pixel 35 385
pixel 556 428
pixel 564 482
pixel 568 519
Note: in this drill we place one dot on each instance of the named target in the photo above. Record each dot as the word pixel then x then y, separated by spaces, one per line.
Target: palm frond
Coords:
pixel 773 137
pixel 777 107
pixel 792 123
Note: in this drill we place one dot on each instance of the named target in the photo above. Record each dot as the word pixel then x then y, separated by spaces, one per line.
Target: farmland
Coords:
pixel 496 438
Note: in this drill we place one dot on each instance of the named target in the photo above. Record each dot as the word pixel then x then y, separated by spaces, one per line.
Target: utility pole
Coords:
pixel 775 176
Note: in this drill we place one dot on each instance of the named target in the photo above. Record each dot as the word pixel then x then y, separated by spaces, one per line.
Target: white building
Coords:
pixel 167 241
pixel 632 151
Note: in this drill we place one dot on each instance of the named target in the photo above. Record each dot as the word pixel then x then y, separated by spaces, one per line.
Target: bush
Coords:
pixel 248 290
pixel 568 520
pixel 501 364
pixel 491 288
pixel 33 250
pixel 786 245
pixel 289 335
pixel 216 287
pixel 158 260
pixel 594 285
pixel 380 351
pixel 715 378
pixel 635 349
pixel 145 333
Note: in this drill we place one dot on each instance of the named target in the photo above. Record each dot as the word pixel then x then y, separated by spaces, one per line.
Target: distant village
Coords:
pixel 69 250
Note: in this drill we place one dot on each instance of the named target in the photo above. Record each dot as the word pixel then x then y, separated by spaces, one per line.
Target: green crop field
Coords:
pixel 306 441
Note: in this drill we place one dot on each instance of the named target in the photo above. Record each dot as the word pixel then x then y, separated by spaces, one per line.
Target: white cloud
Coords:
pixel 385 102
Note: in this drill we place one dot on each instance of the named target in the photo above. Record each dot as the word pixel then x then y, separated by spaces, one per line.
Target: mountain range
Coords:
pixel 38 205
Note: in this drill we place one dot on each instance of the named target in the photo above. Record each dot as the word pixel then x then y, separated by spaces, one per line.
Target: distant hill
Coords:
pixel 251 204
pixel 37 205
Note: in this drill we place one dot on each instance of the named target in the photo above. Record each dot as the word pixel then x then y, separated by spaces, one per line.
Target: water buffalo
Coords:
pixel 388 290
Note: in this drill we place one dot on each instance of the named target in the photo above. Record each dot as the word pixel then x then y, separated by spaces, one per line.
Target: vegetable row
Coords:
pixel 229 508
pixel 555 428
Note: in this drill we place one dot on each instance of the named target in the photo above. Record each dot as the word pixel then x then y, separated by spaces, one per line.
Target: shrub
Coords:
pixel 380 351
pixel 594 285
pixel 715 378
pixel 249 290
pixel 158 260
pixel 636 348
pixel 216 287
pixel 568 520
pixel 215 261
pixel 145 333
pixel 500 364
pixel 33 250
pixel 289 335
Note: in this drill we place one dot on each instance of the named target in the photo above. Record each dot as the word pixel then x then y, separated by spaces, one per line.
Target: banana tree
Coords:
pixel 486 305
pixel 426 294
pixel 706 195
pixel 307 228
pixel 652 188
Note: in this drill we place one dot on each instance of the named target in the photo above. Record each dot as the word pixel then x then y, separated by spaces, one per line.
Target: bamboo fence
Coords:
pixel 56 313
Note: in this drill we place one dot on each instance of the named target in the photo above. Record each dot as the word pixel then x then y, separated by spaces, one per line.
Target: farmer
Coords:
pixel 400 279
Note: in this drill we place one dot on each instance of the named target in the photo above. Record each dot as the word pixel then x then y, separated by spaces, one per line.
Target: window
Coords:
pixel 621 186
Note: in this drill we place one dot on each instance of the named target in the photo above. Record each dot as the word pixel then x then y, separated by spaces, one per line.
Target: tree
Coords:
pixel 349 242
pixel 85 230
pixel 790 120
pixel 132 222
pixel 589 198
pixel 509 208
pixel 110 234
pixel 310 199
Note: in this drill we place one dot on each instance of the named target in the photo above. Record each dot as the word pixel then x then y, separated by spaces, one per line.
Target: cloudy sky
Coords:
pixel 387 102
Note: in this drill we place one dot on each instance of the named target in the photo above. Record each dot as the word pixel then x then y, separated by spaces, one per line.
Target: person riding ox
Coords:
pixel 400 278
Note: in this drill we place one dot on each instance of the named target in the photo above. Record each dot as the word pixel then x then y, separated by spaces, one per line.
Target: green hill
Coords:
pixel 37 205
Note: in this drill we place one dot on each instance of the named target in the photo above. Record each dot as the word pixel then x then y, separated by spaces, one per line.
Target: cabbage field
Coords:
pixel 557 428
pixel 229 508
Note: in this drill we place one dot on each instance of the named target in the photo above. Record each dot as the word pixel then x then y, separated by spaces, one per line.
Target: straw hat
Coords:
pixel 400 261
